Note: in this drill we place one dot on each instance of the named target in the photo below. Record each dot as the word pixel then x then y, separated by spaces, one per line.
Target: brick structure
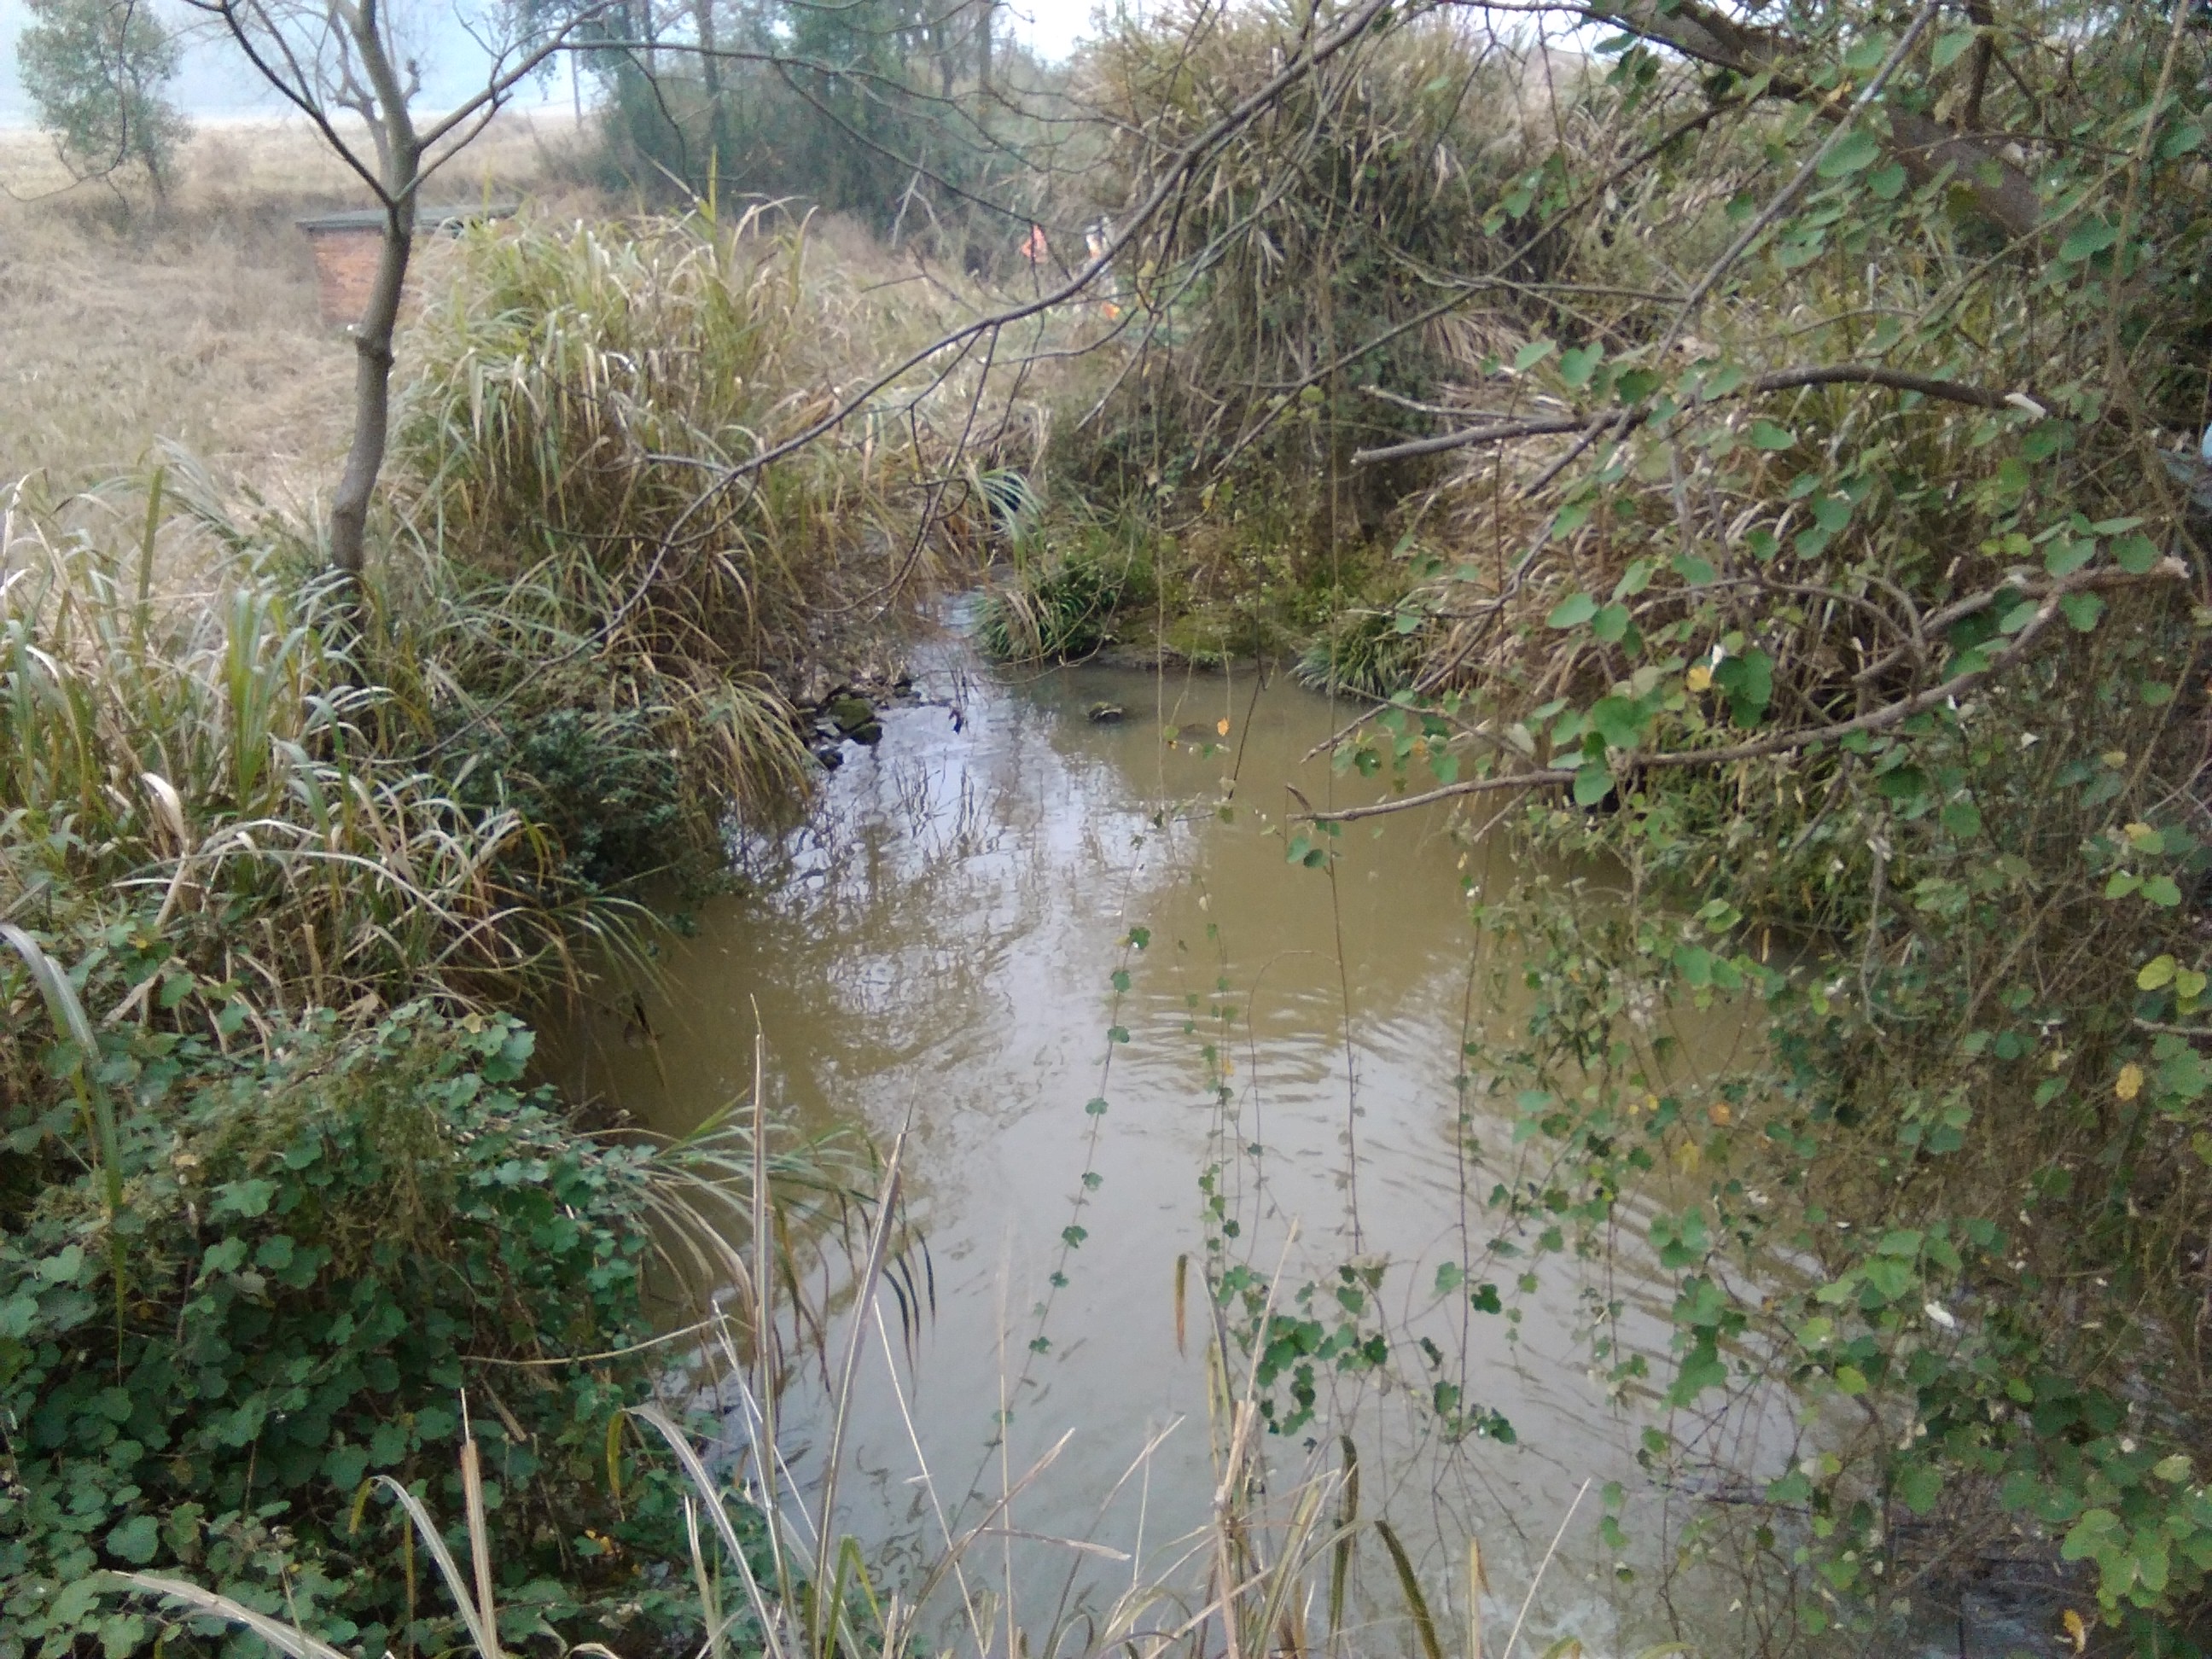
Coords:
pixel 346 245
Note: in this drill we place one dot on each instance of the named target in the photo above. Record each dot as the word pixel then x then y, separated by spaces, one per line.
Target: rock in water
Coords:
pixel 852 713
pixel 1105 713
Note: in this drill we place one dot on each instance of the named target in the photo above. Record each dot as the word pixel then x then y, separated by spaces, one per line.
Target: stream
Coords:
pixel 936 950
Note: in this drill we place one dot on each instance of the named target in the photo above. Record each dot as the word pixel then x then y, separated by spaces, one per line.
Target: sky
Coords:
pixel 215 81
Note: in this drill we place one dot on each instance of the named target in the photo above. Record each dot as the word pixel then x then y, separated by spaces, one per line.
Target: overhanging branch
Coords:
pixel 1924 146
pixel 1627 417
pixel 2049 598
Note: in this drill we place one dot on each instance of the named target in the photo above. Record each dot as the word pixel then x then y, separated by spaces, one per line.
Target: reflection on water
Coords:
pixel 939 948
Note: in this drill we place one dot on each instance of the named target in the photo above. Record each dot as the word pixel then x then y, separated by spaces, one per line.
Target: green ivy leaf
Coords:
pixel 136 1540
pixel 2082 611
pixel 1620 720
pixel 2068 553
pixel 1919 1486
pixel 1702 1369
pixel 1854 152
pixel 1767 435
pixel 1949 45
pixel 2089 238
pixel 2134 553
pixel 1573 611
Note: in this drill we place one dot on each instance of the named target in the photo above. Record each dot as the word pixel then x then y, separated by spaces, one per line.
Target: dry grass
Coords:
pixel 125 326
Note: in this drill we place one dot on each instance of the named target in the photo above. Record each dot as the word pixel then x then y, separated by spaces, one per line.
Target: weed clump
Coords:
pixel 1060 603
pixel 626 629
pixel 1362 652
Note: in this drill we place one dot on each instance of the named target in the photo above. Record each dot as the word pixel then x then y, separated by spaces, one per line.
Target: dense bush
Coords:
pixel 1309 268
pixel 1855 647
pixel 332 1246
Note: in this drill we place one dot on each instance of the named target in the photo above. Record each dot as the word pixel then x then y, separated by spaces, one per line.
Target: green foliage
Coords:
pixel 95 72
pixel 1874 717
pixel 336 1242
pixel 1060 604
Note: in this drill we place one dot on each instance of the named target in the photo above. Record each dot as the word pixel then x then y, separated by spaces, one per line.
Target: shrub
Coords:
pixel 334 1244
pixel 1309 265
pixel 1362 652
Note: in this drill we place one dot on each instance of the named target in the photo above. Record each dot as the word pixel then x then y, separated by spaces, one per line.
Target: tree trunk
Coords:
pixel 401 158
pixel 984 46
pixel 710 75
pixel 372 391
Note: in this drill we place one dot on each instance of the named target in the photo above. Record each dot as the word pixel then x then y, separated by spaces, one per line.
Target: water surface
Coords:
pixel 937 950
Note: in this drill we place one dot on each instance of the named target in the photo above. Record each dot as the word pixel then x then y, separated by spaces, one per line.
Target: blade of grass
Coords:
pixel 1425 1624
pixel 285 1639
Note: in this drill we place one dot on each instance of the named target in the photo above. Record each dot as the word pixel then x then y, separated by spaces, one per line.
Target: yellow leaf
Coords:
pixel 2077 1632
pixel 2130 1081
pixel 1720 1113
pixel 1221 726
pixel 1698 678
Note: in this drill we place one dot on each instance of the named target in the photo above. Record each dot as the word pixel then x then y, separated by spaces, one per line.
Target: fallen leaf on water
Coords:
pixel 1222 727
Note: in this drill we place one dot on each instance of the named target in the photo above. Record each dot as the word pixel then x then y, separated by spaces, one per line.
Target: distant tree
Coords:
pixel 97 70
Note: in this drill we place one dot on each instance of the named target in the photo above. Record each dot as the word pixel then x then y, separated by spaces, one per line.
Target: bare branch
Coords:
pixel 1628 416
pixel 1785 743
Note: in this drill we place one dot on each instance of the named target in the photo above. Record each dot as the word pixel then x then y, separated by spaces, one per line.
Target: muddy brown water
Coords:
pixel 936 950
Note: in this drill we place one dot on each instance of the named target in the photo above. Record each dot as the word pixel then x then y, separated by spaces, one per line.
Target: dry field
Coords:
pixel 121 325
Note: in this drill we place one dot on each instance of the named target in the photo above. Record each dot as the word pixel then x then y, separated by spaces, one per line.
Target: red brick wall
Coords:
pixel 345 271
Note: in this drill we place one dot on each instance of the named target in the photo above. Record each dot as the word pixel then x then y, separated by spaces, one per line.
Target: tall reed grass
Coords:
pixel 608 614
pixel 213 771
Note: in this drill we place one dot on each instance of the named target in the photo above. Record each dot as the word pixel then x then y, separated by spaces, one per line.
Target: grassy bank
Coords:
pixel 275 856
